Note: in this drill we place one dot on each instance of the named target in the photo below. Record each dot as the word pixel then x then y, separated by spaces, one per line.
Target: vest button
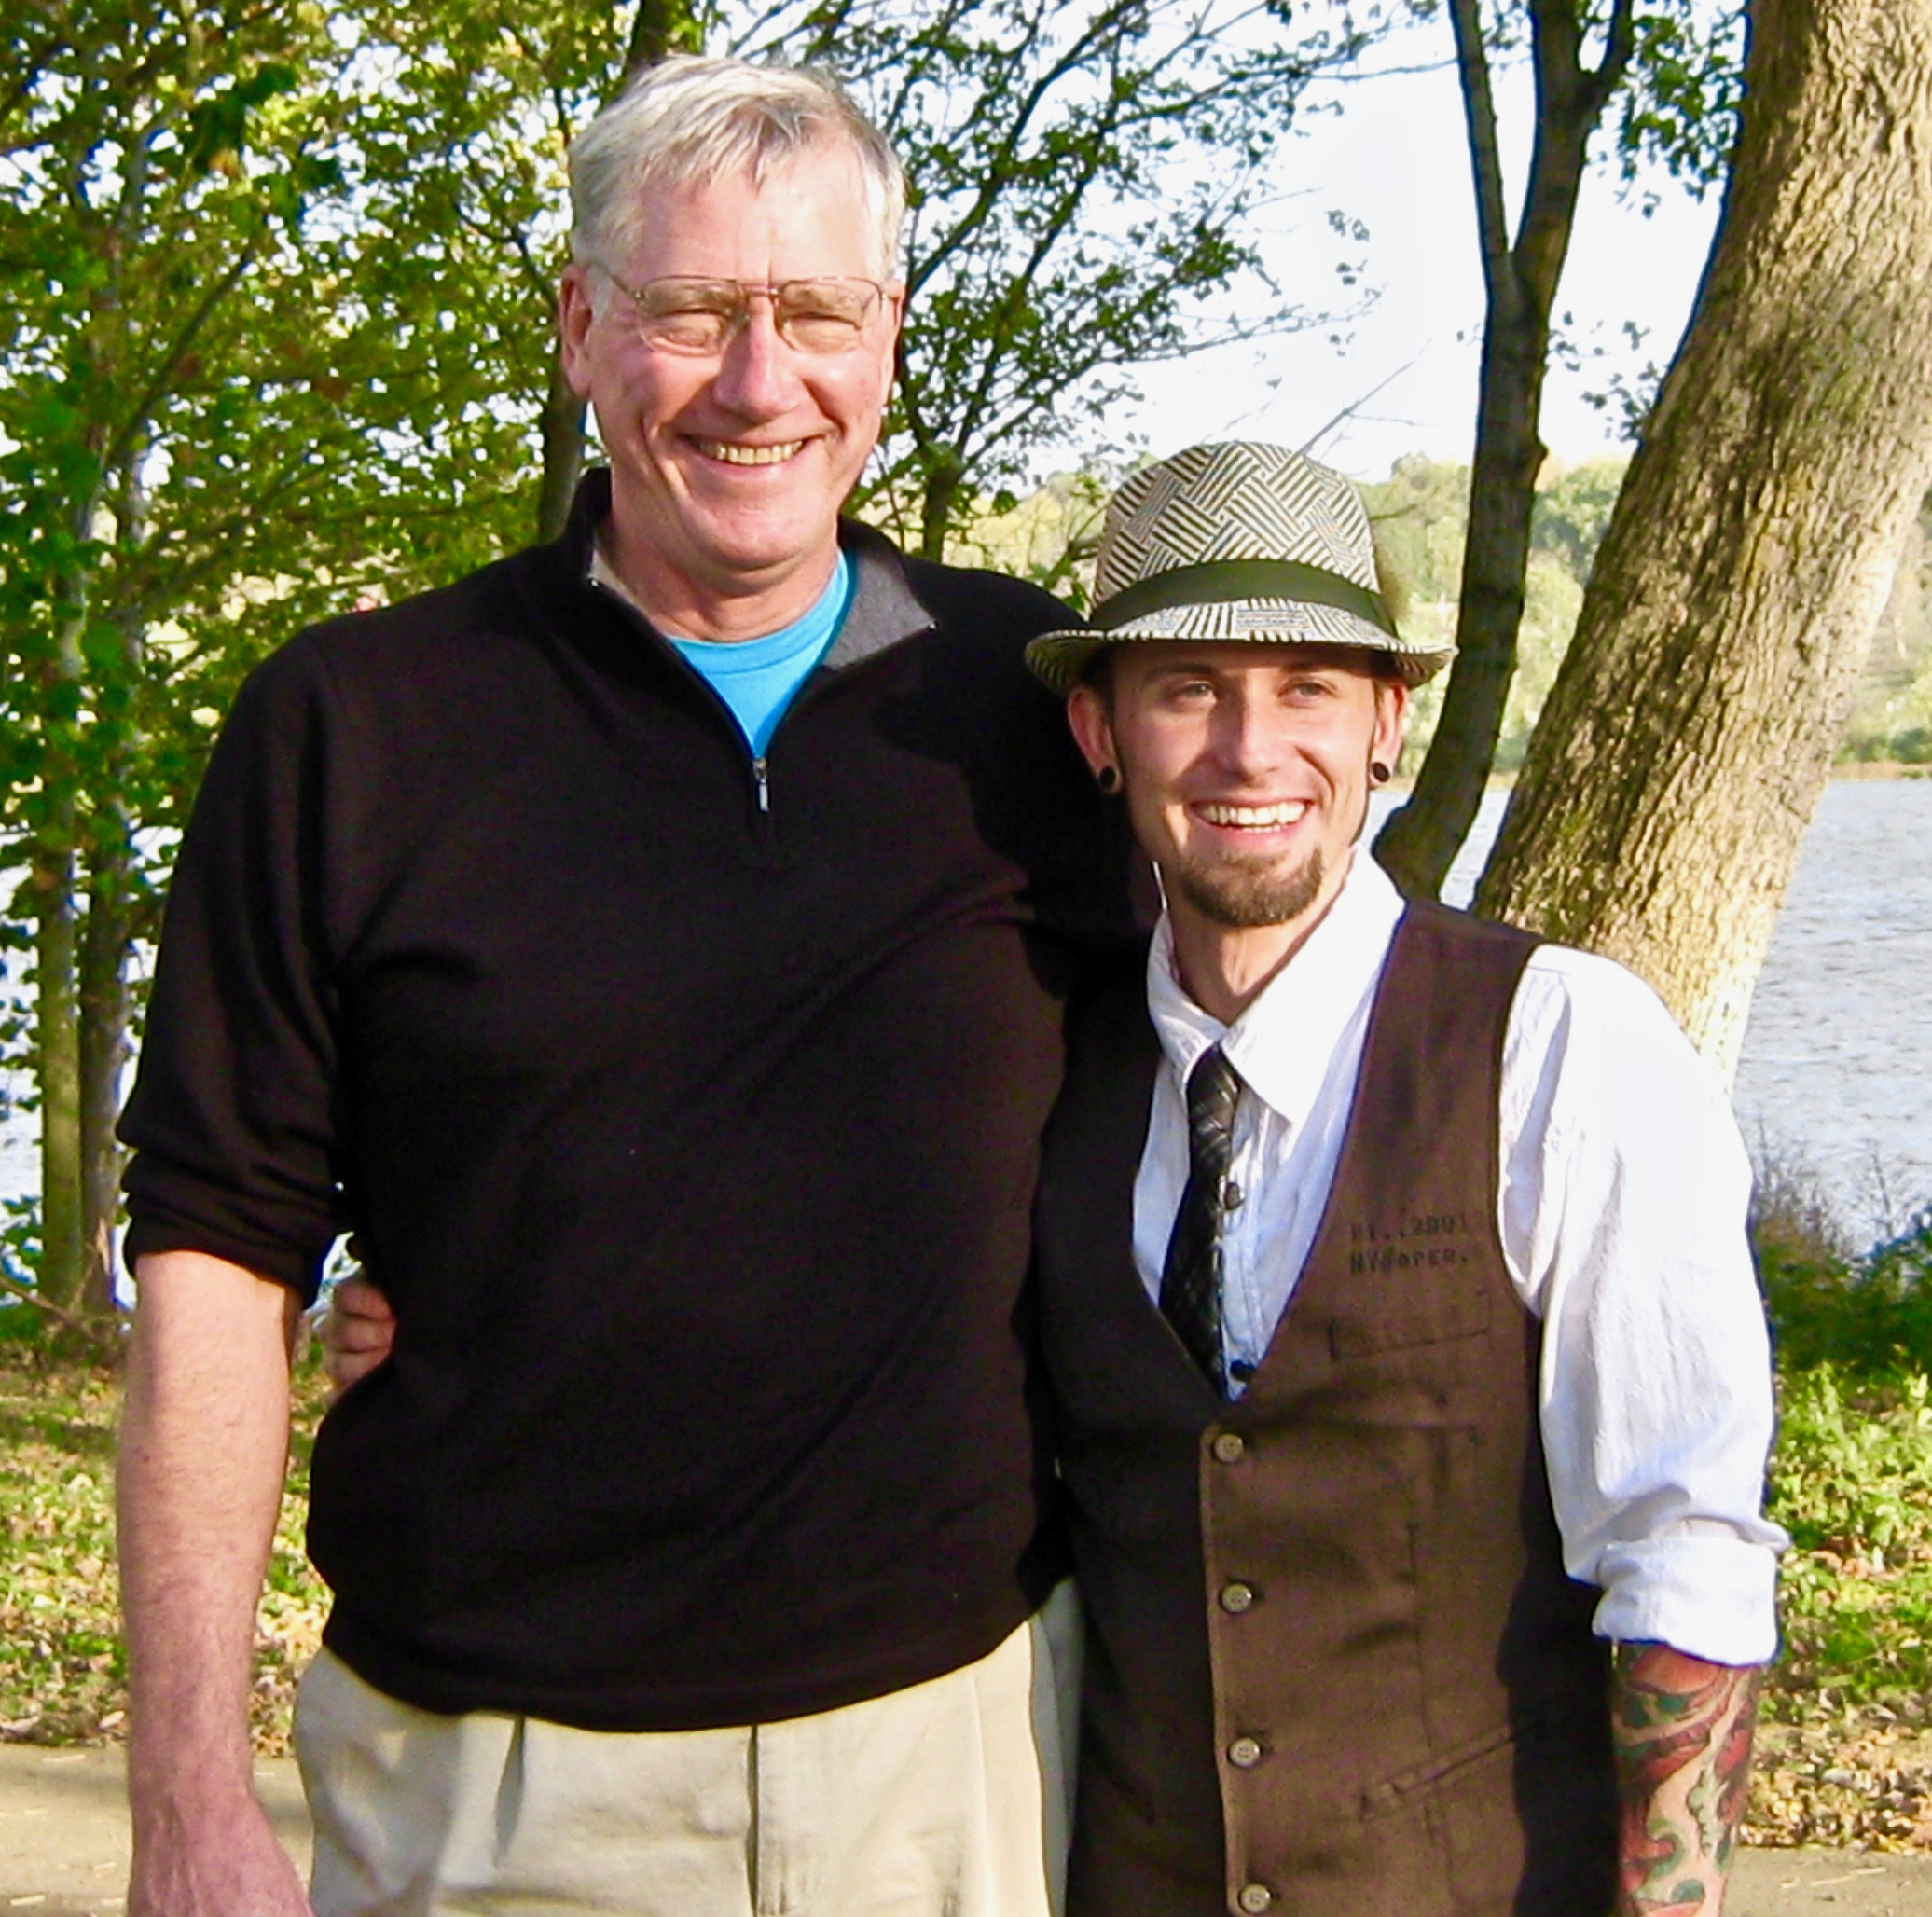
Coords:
pixel 1255 1899
pixel 1229 1446
pixel 1235 1599
pixel 1244 1753
pixel 1232 1196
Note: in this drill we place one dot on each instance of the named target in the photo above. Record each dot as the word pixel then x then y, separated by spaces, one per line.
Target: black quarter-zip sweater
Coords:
pixel 689 1117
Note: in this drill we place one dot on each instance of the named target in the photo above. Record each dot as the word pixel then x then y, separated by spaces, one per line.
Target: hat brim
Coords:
pixel 1059 658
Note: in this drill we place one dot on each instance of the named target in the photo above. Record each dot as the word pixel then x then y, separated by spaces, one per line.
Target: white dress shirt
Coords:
pixel 1622 1210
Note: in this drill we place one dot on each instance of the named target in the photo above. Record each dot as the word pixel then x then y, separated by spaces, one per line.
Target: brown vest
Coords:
pixel 1334 1662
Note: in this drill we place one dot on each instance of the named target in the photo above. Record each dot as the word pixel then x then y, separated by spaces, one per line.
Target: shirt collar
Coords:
pixel 1281 1045
pixel 882 608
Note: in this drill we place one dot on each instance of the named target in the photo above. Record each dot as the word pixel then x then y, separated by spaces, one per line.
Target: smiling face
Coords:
pixel 728 472
pixel 1246 772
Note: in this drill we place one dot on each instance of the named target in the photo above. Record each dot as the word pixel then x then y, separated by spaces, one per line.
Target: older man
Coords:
pixel 655 949
pixel 1396 1300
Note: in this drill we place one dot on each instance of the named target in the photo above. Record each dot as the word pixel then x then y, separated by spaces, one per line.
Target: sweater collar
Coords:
pixel 884 608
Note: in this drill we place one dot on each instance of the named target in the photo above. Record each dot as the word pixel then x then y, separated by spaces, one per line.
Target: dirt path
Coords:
pixel 63 1829
pixel 64 1848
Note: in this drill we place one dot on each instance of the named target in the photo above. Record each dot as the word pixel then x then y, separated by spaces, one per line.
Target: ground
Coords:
pixel 1854 1777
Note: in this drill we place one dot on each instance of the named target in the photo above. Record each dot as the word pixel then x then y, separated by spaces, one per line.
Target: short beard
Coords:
pixel 1244 896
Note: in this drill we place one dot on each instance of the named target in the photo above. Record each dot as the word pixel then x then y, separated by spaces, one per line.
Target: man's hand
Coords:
pixel 356 1332
pixel 1683 1731
pixel 214 1859
pixel 205 1439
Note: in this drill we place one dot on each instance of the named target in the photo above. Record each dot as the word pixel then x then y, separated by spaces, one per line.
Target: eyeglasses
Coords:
pixel 702 317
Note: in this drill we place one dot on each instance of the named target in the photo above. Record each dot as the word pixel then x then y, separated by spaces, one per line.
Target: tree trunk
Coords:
pixel 1419 842
pixel 938 497
pixel 658 27
pixel 56 1063
pixel 1691 727
pixel 564 454
pixel 105 1015
pixel 52 871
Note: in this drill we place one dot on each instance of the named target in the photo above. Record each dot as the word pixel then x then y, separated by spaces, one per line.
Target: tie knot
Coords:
pixel 1213 1089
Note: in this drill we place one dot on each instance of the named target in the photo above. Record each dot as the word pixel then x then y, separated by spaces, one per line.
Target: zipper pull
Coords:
pixel 763 779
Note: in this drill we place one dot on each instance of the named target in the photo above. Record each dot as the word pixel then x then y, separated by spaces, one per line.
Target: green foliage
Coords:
pixel 63 1670
pixel 1572 514
pixel 62 1665
pixel 1851 1482
pixel 1852 1472
pixel 1052 536
pixel 234 398
pixel 1419 514
pixel 1890 716
pixel 1081 174
pixel 1870 1315
pixel 1679 103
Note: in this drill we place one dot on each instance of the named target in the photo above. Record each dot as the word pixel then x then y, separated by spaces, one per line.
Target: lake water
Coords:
pixel 1836 1075
pixel 1835 1078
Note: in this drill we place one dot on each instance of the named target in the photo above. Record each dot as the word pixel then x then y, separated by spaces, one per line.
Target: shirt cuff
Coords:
pixel 1707 1594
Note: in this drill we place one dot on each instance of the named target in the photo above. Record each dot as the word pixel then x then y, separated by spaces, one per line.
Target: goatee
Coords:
pixel 1243 895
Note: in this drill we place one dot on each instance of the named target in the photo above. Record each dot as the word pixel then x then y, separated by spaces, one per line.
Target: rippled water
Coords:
pixel 1836 1076
pixel 1836 1073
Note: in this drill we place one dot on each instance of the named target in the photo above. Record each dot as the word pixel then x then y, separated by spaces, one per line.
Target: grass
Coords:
pixel 1844 1752
pixel 63 1668
pixel 1844 1755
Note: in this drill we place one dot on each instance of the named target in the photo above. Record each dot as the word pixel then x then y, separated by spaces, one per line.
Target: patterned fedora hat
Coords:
pixel 1235 542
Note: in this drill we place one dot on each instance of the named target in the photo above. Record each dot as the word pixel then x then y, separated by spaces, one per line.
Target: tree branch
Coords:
pixel 91 1329
pixel 1486 158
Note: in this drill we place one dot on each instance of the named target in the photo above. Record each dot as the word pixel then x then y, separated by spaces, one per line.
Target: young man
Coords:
pixel 1412 1387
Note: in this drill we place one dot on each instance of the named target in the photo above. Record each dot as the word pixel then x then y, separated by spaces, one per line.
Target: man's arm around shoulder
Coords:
pixel 204 1445
pixel 1681 1728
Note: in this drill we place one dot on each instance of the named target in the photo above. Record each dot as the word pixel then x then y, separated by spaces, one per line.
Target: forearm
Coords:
pixel 1682 1729
pixel 204 1436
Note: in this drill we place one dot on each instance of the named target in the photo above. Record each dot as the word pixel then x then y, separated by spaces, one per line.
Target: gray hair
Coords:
pixel 688 121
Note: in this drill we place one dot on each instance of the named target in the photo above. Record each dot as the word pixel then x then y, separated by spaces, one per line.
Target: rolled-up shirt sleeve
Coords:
pixel 231 1119
pixel 1622 1207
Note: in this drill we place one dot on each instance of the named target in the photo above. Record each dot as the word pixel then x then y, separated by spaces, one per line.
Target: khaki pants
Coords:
pixel 951 1799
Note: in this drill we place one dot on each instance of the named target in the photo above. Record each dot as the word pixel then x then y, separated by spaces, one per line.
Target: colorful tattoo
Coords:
pixel 1683 1731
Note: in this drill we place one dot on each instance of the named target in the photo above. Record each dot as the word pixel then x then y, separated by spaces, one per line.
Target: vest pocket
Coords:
pixel 1396 1792
pixel 1461 1312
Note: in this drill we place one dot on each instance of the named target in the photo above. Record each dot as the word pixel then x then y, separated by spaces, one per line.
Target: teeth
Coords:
pixel 734 455
pixel 1254 817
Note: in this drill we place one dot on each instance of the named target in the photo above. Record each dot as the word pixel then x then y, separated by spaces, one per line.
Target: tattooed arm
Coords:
pixel 1682 1729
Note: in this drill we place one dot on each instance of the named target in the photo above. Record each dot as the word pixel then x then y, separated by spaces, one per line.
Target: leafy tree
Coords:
pixel 1082 175
pixel 1671 74
pixel 1693 725
pixel 276 282
pixel 1420 514
pixel 1572 512
pixel 467 165
pixel 225 407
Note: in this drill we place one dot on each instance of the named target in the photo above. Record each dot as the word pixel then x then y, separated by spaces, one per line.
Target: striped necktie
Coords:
pixel 1191 1276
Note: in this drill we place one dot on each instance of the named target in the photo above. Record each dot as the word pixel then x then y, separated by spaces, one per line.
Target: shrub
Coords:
pixel 1869 1315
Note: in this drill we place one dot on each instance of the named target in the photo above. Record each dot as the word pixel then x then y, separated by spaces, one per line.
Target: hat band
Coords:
pixel 1219 581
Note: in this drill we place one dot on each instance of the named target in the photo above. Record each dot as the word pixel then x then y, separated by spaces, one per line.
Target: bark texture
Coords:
pixel 57 1064
pixel 1520 280
pixel 1691 728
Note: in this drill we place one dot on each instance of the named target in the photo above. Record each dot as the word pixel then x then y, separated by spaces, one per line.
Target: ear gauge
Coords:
pixel 1379 774
pixel 1107 780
